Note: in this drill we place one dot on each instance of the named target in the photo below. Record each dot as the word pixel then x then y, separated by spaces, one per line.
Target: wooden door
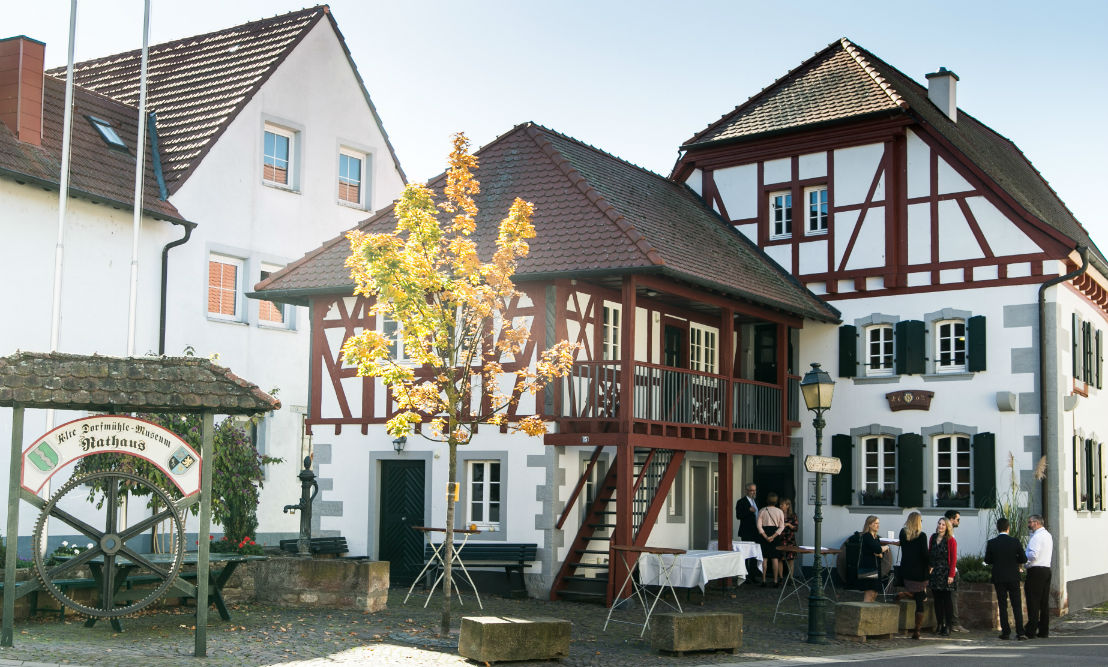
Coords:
pixel 402 506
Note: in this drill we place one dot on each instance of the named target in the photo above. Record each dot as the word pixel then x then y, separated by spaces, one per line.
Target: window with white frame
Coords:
pixel 950 346
pixel 702 348
pixel 352 177
pixel 815 209
pixel 390 329
pixel 224 287
pixel 611 331
pixel 879 470
pixel 953 470
pixel 879 349
pixel 780 215
pixel 270 313
pixel 483 505
pixel 278 156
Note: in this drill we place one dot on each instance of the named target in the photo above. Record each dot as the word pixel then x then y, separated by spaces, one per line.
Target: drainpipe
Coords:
pixel 1043 385
pixel 189 226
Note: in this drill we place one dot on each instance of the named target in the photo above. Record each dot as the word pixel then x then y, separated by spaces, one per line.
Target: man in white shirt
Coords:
pixel 1040 549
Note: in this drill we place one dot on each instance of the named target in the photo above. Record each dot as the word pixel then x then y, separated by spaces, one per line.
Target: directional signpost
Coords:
pixel 827 465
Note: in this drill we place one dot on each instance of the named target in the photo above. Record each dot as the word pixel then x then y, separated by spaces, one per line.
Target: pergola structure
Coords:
pixel 117 386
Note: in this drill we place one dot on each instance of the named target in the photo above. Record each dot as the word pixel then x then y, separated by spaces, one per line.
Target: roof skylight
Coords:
pixel 107 132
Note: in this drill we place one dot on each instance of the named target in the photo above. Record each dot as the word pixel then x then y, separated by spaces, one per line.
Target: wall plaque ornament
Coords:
pixel 909 399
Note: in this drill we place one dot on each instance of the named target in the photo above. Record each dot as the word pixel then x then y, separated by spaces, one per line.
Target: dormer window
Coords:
pixel 107 133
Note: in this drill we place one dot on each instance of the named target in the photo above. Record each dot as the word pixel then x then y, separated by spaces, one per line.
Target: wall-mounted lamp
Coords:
pixel 399 443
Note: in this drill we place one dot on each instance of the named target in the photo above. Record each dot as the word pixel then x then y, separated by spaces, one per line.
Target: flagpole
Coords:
pixel 140 171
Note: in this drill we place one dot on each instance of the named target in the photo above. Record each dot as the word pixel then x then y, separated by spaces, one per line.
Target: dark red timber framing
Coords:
pixel 653 410
pixel 892 168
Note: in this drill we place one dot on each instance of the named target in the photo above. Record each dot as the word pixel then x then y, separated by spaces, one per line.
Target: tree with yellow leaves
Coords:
pixel 427 276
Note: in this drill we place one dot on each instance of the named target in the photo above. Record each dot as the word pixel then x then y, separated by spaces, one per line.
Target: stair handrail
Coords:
pixel 577 489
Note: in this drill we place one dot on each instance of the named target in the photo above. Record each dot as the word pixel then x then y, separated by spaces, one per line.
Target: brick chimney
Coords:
pixel 21 69
pixel 942 88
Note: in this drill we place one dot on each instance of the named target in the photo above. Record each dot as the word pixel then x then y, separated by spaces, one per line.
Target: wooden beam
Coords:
pixel 699 295
pixel 15 470
pixel 725 511
pixel 659 499
pixel 207 459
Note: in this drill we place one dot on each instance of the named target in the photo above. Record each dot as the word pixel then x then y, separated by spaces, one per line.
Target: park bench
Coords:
pixel 513 557
pixel 65 585
pixel 318 545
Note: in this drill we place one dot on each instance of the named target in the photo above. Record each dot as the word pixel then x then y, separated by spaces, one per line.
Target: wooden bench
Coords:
pixel 318 545
pixel 65 585
pixel 513 557
pixel 497 639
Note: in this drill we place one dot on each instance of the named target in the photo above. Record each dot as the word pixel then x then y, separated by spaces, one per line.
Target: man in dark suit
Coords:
pixel 746 511
pixel 1006 554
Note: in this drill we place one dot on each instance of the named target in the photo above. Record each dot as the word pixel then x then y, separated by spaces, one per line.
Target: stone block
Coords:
pixel 328 583
pixel 862 620
pixel 696 632
pixel 497 639
pixel 907 621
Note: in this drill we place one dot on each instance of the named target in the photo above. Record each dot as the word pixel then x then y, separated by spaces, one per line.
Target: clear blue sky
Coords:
pixel 638 78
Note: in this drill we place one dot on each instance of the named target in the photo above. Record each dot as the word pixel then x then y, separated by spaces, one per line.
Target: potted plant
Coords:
pixel 885 496
pixel 946 497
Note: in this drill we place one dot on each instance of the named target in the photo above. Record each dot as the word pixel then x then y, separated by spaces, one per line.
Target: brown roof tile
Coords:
pixel 197 85
pixel 137 384
pixel 97 170
pixel 846 82
pixel 593 213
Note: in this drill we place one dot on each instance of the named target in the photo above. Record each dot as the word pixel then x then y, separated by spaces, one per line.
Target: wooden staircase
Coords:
pixel 588 580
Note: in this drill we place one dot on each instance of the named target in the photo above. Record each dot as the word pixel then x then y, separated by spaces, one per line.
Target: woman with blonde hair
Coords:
pixel 788 535
pixel 943 559
pixel 913 565
pixel 771 521
pixel 869 568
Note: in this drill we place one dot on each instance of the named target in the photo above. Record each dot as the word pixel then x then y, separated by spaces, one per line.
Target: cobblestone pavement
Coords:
pixel 405 635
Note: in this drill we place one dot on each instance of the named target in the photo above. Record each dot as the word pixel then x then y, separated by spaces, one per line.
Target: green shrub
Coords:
pixel 972 569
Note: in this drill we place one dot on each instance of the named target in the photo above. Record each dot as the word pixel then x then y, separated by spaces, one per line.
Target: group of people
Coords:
pixel 927 564
pixel 930 565
pixel 774 526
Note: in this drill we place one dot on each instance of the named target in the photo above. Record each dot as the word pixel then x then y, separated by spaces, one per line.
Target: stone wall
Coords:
pixel 977 607
pixel 321 582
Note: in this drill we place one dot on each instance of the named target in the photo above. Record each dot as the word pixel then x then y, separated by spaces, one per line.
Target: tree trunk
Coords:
pixel 448 545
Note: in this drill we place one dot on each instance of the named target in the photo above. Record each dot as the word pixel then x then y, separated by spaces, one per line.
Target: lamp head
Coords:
pixel 399 443
pixel 817 388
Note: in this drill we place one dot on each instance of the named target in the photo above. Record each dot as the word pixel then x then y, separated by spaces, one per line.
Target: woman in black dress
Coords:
pixel 869 567
pixel 913 565
pixel 943 559
pixel 770 524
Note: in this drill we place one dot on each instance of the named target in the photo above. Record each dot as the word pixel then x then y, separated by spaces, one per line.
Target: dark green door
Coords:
pixel 402 486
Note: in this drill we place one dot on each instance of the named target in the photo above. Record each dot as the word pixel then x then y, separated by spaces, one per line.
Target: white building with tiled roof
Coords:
pixel 263 141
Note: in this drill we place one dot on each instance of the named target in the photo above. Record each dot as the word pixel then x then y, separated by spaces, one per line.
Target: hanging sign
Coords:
pixel 825 464
pixel 111 434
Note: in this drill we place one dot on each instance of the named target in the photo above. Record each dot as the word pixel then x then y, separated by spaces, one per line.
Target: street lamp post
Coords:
pixel 817 388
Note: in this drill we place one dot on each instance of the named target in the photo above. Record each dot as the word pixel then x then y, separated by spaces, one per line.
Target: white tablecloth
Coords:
pixel 693 568
pixel 747 549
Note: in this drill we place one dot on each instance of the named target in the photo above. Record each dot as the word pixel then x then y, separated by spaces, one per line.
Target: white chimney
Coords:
pixel 942 88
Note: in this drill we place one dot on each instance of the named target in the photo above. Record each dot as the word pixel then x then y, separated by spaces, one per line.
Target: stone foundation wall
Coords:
pixel 316 582
pixel 977 606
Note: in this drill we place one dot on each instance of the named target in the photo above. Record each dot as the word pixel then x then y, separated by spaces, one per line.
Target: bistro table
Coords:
pixel 436 558
pixel 633 558
pixel 216 579
pixel 794 586
pixel 693 568
pixel 747 549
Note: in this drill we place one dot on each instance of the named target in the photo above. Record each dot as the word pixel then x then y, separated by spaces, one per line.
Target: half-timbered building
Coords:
pixel 973 303
pixel 686 370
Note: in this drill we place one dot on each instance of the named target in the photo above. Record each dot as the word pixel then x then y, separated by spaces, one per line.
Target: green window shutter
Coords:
pixel 1090 476
pixel 909 469
pixel 1099 359
pixel 984 470
pixel 1100 474
pixel 848 351
pixel 975 329
pixel 842 484
pixel 1076 346
pixel 1087 346
pixel 910 339
pixel 1077 473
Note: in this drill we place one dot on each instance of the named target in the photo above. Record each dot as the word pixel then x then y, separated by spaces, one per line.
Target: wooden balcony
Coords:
pixel 706 409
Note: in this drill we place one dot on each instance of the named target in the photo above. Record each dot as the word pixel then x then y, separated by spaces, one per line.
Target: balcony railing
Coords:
pixel 674 396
